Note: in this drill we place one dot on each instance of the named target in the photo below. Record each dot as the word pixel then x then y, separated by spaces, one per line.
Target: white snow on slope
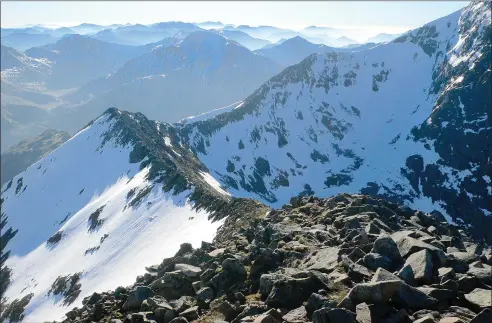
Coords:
pixel 214 183
pixel 379 136
pixel 211 114
pixel 138 236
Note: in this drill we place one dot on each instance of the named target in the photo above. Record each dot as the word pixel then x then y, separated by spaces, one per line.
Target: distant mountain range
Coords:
pixel 138 34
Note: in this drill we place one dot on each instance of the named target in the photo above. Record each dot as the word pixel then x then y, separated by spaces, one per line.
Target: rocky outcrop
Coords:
pixel 313 260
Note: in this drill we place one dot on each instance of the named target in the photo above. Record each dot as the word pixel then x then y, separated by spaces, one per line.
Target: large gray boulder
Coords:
pixel 291 292
pixel 137 296
pixel 383 275
pixel 188 270
pixel 418 268
pixel 297 315
pixel 480 298
pixel 408 245
pixel 373 261
pixel 335 315
pixel 324 260
pixel 204 296
pixel 482 271
pixel 173 284
pixel 363 313
pixel 386 246
pixel 383 292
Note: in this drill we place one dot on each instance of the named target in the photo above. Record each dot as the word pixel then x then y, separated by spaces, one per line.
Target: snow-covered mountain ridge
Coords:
pixel 116 197
pixel 409 120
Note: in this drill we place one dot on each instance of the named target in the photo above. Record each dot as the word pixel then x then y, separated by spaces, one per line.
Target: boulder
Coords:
pixel 408 245
pixel 356 254
pixel 480 298
pixel 204 296
pixel 265 261
pixel 418 268
pixel 363 313
pixel 137 296
pixel 291 292
pixel 324 260
pixel 385 291
pixel 374 261
pixel 267 281
pixel 296 315
pixel 383 275
pixel 445 273
pixel 228 310
pixel 240 297
pixel 188 270
pixel 355 271
pixel 467 257
pixel 232 273
pixel 182 303
pixel 137 318
pixel 207 275
pixel 93 299
pixel 272 316
pixel 458 265
pixel 482 271
pixel 426 313
pixel 438 293
pixel 234 267
pixel 412 298
pixel 157 301
pixel 326 315
pixel 196 286
pixel 462 313
pixel 386 246
pixel 468 283
pixel 190 314
pixel 164 315
pixel 173 284
pixel 315 302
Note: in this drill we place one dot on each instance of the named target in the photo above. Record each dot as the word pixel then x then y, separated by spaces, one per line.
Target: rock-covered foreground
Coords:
pixel 349 258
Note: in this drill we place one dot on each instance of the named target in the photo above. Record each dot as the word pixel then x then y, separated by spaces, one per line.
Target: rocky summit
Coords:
pixel 348 258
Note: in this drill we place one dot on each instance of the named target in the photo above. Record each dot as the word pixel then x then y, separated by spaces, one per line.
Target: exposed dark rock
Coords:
pixel 296 315
pixel 484 316
pixel 311 260
pixel 326 315
pixel 418 268
pixel 373 261
pixel 386 246
pixel 137 296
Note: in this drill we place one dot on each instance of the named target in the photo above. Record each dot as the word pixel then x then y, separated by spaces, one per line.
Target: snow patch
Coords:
pixel 214 183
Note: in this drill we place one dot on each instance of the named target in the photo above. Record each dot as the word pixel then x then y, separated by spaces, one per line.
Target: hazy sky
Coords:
pixel 380 16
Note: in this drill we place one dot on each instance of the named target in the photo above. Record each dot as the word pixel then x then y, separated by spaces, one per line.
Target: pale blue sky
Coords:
pixel 380 16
